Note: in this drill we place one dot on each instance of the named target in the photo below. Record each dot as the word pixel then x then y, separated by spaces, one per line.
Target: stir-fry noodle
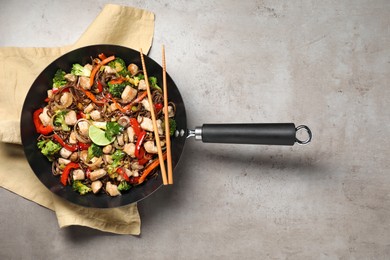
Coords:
pixel 96 127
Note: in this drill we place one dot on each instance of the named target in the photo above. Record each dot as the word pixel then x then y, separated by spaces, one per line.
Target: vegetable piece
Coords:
pixel 150 168
pixel 123 186
pixel 119 65
pixel 79 70
pixel 122 173
pixel 83 146
pixel 39 127
pixel 116 88
pixel 153 83
pixel 59 120
pixel 97 67
pixel 59 79
pixel 81 188
pixel 49 148
pixel 98 136
pixel 117 156
pixel 71 148
pixel 99 87
pixel 92 97
pixel 94 151
pixel 113 129
pixel 66 172
pixel 136 126
pixel 138 145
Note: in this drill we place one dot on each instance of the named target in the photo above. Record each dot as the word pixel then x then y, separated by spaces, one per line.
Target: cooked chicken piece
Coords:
pixel 129 94
pixel 146 123
pixel 97 174
pixel 135 173
pixel 142 85
pixel 120 140
pixel 45 119
pixel 71 118
pixel 159 127
pixel 109 70
pixel 66 99
pixel 112 107
pixel 78 174
pixel 84 82
pixel 150 147
pixel 83 127
pixel 50 93
pixel 112 189
pixel 107 149
pixel 171 113
pixel 96 186
pixel 146 104
pixel 65 153
pixel 88 66
pixel 88 109
pixel 70 77
pixel 63 161
pixel 130 134
pixel 136 166
pixel 129 149
pixel 72 138
pixel 74 156
pixel 95 115
pixel 107 158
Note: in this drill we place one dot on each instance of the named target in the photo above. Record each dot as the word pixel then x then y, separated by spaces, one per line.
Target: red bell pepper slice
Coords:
pixel 66 172
pixel 136 126
pixel 122 173
pixel 99 87
pixel 158 107
pixel 39 127
pixel 138 145
pixel 71 148
pixel 83 146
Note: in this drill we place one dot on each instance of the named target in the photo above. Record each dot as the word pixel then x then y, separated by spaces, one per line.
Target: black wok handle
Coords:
pixel 268 134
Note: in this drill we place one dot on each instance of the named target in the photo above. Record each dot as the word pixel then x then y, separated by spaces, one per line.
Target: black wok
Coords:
pixel 280 134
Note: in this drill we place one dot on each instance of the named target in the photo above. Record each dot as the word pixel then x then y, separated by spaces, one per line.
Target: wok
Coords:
pixel 279 134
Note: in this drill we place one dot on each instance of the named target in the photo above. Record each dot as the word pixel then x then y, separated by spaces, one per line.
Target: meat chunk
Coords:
pixel 97 174
pixel 112 189
pixel 83 127
pixel 95 115
pixel 150 147
pixel 44 117
pixel 129 149
pixel 71 118
pixel 130 134
pixel 66 99
pixel 128 94
pixel 146 123
pixel 145 104
pixel 96 186
pixel 142 85
pixel 78 174
pixel 65 153
pixel 84 82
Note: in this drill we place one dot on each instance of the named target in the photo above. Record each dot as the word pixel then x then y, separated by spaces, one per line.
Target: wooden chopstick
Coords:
pixel 166 119
pixel 156 135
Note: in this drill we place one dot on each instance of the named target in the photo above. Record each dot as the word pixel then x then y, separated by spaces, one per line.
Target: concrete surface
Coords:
pixel 321 63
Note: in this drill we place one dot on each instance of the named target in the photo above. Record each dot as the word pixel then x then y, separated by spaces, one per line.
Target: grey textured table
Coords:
pixel 321 63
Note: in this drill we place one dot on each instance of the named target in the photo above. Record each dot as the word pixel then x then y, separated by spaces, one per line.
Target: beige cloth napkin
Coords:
pixel 19 67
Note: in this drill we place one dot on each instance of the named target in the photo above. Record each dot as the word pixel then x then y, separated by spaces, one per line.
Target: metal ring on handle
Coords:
pixel 308 131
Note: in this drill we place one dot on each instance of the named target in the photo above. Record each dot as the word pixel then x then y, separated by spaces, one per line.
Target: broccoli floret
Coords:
pixel 123 186
pixel 94 151
pixel 79 70
pixel 59 79
pixel 81 188
pixel 117 156
pixel 119 65
pixel 153 83
pixel 59 120
pixel 116 89
pixel 113 129
pixel 49 148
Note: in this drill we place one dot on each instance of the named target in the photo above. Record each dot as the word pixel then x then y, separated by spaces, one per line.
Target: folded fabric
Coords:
pixel 19 67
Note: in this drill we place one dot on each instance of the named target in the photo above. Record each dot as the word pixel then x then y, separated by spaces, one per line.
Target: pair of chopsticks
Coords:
pixel 166 121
